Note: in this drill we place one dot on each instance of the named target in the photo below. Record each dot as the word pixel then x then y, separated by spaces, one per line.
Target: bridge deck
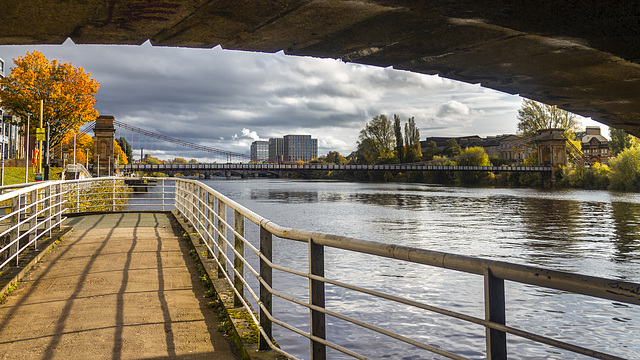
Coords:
pixel 120 286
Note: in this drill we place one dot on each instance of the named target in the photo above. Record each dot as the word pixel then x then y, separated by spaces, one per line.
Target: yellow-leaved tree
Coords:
pixel 68 94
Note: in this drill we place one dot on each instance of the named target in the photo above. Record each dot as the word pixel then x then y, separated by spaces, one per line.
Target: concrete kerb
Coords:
pixel 14 274
pixel 240 334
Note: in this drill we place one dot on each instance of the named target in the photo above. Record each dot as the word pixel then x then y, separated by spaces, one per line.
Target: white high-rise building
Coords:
pixel 260 151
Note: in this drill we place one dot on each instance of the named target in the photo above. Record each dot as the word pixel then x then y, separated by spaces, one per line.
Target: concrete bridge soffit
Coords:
pixel 582 56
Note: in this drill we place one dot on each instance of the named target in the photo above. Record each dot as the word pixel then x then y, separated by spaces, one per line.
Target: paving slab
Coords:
pixel 119 286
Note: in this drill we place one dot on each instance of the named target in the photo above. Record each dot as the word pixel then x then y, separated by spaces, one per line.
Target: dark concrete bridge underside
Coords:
pixel 583 56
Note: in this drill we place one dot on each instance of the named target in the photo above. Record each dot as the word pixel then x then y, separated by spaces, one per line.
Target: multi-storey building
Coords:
pixel 595 147
pixel 511 148
pixel 276 149
pixel 5 128
pixel 260 151
pixel 300 148
pixel 13 142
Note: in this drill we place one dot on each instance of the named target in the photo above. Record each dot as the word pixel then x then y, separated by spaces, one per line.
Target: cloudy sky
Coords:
pixel 227 99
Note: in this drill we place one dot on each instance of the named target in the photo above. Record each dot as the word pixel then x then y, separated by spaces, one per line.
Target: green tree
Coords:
pixel 621 140
pixel 579 176
pixel 397 129
pixel 126 147
pixel 193 161
pixel 376 141
pixel 430 151
pixel 68 94
pixel 441 177
pixel 625 170
pixel 474 156
pixel 412 141
pixel 148 159
pixel 178 160
pixel 534 116
pixel 334 157
pixel 452 148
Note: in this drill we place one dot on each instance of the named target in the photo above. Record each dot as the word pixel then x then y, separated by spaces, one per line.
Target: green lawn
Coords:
pixel 15 175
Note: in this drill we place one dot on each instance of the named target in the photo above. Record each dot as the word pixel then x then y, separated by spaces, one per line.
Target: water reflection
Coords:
pixel 550 229
pixel 393 200
pixel 627 230
pixel 283 196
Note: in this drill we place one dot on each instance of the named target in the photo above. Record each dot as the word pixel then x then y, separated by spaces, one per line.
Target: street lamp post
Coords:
pixel 26 155
pixel 47 164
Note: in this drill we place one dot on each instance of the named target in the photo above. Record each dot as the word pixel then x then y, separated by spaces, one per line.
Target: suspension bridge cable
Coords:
pixel 180 142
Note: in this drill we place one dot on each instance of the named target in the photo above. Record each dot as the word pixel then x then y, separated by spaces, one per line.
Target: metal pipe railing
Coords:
pixel 30 213
pixel 206 210
pixel 202 214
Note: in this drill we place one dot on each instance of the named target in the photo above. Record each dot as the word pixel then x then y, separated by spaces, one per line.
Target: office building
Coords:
pixel 276 149
pixel 299 148
pixel 260 151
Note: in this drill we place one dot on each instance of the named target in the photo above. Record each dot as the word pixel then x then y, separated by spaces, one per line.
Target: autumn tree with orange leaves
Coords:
pixel 68 94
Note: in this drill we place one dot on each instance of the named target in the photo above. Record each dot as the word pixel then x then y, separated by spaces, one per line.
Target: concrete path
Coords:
pixel 120 286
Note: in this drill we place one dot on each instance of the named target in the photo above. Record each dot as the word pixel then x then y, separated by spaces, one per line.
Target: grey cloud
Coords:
pixel 204 95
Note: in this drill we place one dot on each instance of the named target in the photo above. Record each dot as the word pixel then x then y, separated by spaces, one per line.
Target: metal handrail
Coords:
pixel 206 210
pixel 195 202
pixel 34 212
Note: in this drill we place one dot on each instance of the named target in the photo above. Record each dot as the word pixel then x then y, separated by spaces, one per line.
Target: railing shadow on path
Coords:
pixel 24 300
pixel 126 261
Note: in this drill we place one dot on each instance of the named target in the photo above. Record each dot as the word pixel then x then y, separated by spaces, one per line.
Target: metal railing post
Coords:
pixel 211 200
pixel 75 183
pixel 192 202
pixel 58 207
pixel 15 220
pixel 113 196
pixel 494 305
pixel 222 246
pixel 316 297
pixel 202 198
pixel 47 204
pixel 238 244
pixel 163 192
pixel 33 210
pixel 266 273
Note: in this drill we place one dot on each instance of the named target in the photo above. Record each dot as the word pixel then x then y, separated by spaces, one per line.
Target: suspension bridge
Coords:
pixel 227 162
pixel 155 144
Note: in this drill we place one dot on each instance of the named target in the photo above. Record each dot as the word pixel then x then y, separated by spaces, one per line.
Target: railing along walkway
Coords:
pixel 120 286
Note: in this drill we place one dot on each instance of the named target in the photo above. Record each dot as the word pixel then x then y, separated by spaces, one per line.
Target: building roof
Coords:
pixel 599 138
pixel 471 141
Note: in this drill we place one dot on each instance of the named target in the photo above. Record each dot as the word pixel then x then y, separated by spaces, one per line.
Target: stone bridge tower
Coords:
pixel 103 145
pixel 552 151
pixel 552 148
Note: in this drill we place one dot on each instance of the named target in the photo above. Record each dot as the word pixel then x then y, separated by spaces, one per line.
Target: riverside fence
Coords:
pixel 33 211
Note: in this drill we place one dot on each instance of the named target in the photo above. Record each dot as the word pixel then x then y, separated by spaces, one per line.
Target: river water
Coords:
pixel 590 232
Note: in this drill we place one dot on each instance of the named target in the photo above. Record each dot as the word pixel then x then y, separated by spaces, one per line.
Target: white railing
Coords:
pixel 206 210
pixel 27 214
pixel 33 211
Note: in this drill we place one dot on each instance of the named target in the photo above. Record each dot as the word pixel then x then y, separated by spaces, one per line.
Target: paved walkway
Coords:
pixel 120 286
